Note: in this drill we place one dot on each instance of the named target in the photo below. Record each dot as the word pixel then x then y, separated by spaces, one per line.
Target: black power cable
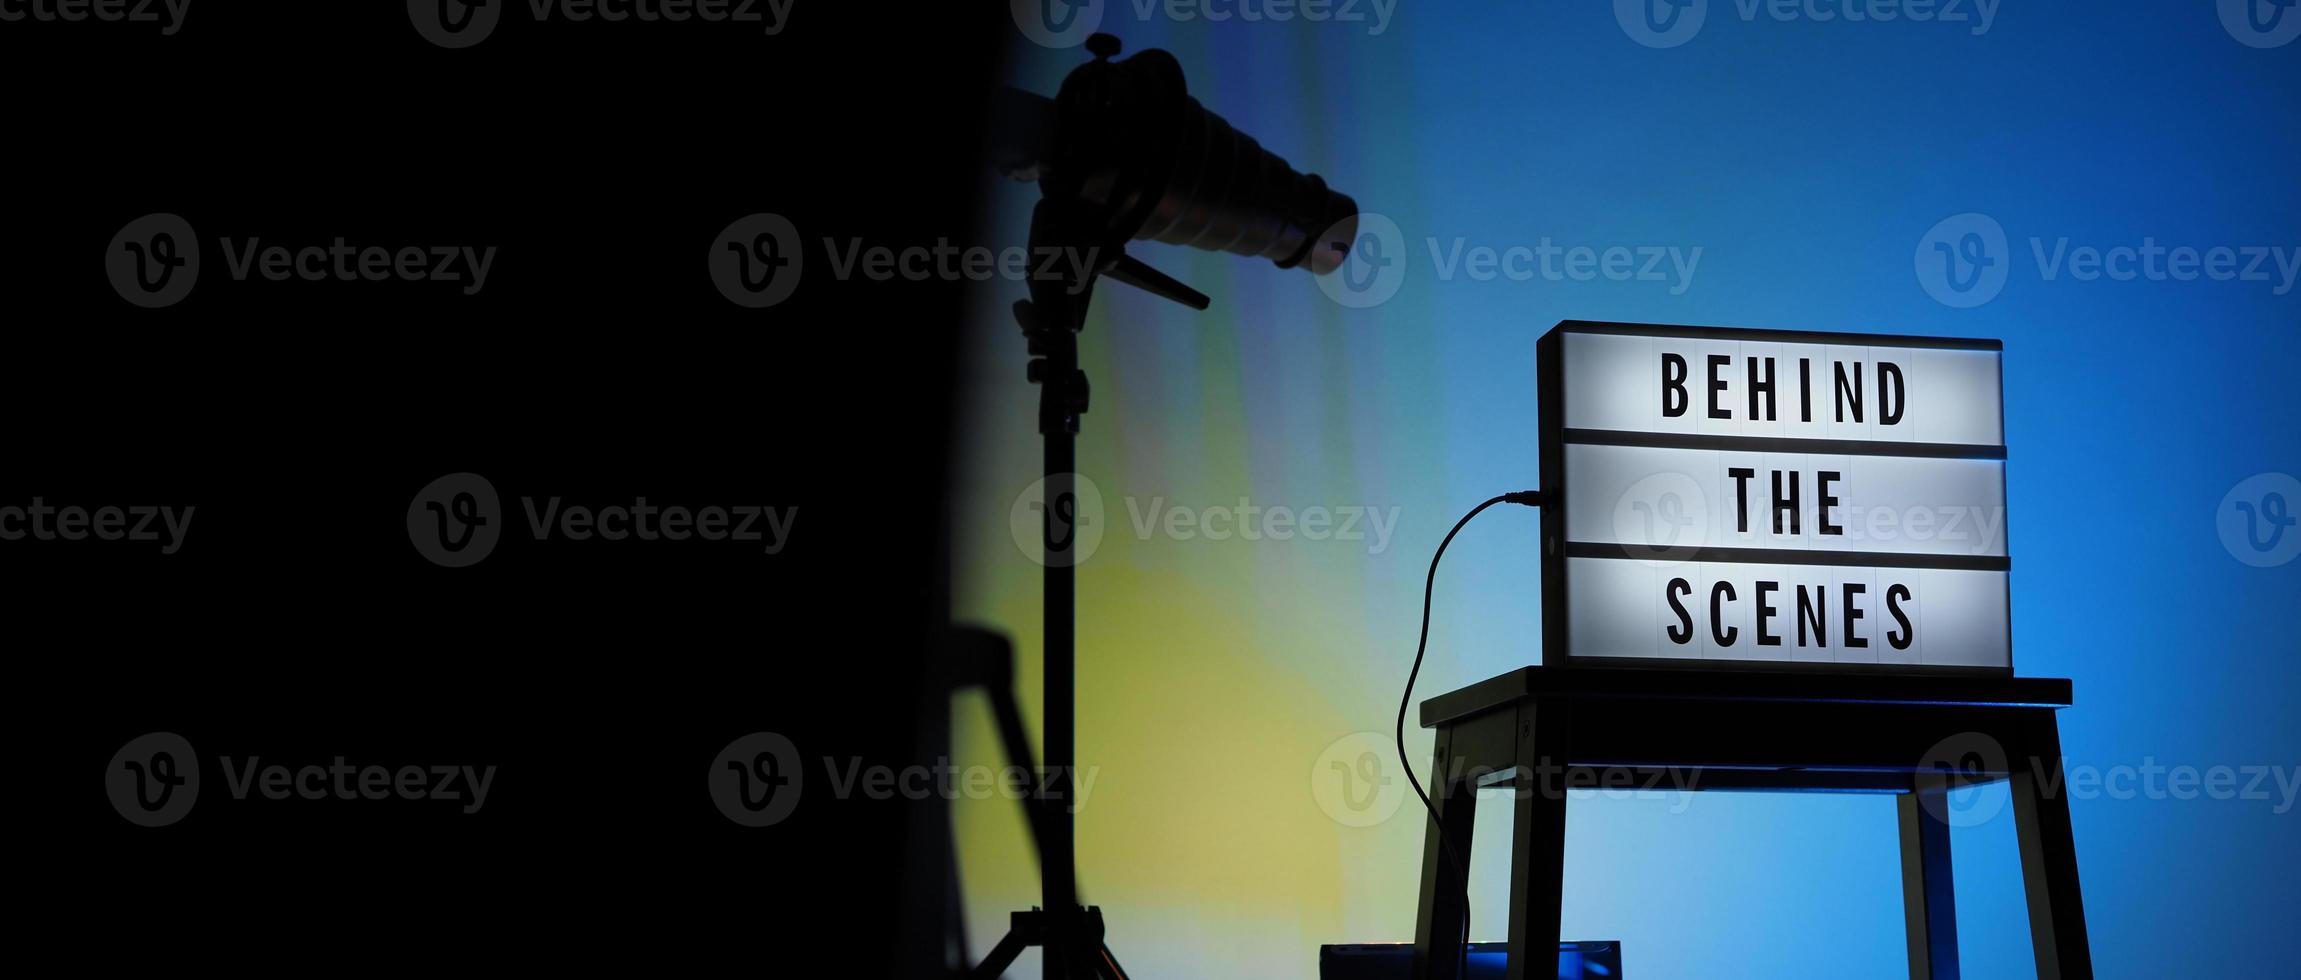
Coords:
pixel 1528 498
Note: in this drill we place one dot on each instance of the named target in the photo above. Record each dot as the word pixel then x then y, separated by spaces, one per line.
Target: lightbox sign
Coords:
pixel 1725 497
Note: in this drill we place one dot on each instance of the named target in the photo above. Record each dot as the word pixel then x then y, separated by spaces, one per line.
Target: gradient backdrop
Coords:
pixel 1807 159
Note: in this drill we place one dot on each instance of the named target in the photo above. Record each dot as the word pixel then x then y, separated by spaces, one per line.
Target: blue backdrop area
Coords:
pixel 2115 185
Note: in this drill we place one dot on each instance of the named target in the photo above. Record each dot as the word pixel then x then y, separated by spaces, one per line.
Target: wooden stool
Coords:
pixel 1749 730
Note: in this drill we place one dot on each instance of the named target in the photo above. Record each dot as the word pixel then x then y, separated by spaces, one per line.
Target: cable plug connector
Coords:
pixel 1526 498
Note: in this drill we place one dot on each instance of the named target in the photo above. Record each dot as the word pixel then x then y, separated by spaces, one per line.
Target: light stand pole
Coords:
pixel 1051 321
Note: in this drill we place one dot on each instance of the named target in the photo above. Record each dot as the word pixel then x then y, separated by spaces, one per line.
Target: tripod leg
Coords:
pixel 1107 966
pixel 1001 956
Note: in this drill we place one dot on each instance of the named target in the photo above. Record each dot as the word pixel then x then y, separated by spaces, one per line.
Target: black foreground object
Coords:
pixel 1395 961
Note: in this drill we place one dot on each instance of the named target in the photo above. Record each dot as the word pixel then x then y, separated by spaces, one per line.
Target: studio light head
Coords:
pixel 1126 140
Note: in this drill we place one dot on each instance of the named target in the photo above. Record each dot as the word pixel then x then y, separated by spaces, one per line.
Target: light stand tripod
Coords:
pixel 1122 153
pixel 1070 935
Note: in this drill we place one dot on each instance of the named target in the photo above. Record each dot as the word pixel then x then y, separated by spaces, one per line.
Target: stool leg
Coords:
pixel 1438 923
pixel 1929 903
pixel 2049 861
pixel 1538 840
